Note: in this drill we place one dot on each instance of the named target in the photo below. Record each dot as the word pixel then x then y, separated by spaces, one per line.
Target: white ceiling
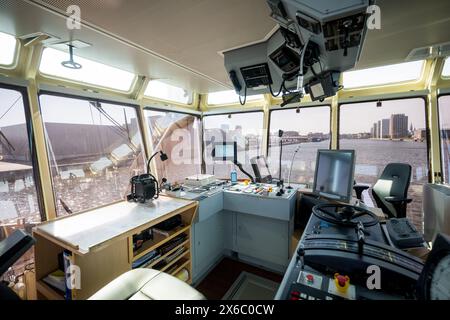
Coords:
pixel 179 40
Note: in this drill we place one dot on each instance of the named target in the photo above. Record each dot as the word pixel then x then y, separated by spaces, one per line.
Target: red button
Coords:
pixel 310 278
pixel 342 281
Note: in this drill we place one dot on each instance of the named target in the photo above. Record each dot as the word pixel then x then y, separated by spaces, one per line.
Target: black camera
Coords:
pixel 143 187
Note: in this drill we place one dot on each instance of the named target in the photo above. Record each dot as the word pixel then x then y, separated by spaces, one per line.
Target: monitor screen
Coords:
pixel 334 174
pixel 224 151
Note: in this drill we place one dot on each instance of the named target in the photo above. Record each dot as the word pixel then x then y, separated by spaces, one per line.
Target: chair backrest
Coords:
pixel 393 182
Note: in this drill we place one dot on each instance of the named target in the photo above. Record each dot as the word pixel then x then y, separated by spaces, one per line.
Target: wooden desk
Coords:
pixel 101 242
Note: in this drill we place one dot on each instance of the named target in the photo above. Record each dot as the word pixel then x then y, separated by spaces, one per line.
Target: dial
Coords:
pixel 440 281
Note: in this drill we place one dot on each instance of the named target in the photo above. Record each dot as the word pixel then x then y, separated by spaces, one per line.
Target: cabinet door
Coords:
pixel 263 238
pixel 208 242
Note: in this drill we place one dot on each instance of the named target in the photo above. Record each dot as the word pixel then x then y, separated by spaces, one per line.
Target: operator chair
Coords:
pixel 11 249
pixel 391 190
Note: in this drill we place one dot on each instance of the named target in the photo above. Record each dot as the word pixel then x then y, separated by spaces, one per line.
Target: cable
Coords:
pixel 302 59
pixel 9 109
pixel 279 91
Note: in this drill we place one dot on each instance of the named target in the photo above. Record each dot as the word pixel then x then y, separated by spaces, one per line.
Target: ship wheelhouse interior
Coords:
pixel 132 155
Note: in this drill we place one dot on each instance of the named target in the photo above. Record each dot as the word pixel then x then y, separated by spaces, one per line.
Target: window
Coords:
pixel 402 72
pixel 228 97
pixel 19 206
pixel 244 128
pixel 444 127
pixel 160 90
pixel 394 132
pixel 179 136
pixel 8 44
pixel 446 70
pixel 306 131
pixel 92 72
pixel 94 149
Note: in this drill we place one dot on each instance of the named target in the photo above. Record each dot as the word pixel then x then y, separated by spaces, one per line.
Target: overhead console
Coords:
pixel 316 41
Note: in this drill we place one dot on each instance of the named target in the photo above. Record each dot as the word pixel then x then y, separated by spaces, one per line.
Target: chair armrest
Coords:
pixel 398 200
pixel 359 188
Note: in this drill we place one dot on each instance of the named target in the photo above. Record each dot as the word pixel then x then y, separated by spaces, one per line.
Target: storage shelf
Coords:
pixel 48 292
pixel 180 268
pixel 167 266
pixel 157 241
pixel 151 265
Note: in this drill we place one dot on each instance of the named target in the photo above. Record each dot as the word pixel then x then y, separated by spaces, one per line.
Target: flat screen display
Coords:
pixel 334 174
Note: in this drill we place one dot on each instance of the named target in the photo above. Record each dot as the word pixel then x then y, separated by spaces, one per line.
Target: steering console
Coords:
pixel 345 215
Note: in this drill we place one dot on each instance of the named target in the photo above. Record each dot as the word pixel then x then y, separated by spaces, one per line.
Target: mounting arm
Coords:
pixel 239 165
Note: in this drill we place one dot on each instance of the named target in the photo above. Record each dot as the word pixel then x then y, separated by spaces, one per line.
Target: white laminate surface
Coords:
pixel 95 227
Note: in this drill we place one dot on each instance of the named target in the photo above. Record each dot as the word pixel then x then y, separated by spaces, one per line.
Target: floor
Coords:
pixel 222 277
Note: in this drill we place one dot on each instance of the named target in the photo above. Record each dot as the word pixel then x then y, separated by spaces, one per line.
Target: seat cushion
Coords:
pixel 147 284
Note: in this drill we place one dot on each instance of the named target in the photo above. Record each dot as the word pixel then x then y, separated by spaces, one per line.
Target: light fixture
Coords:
pixel 379 104
pixel 71 64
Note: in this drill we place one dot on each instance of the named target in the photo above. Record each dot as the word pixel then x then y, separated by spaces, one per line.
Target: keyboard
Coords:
pixel 404 234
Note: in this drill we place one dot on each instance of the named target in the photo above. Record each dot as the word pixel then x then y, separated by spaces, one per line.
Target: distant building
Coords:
pixel 375 130
pixel 291 134
pixel 420 134
pixel 385 127
pixel 398 126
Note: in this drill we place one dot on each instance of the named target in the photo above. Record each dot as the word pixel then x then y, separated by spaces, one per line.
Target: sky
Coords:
pixel 16 114
pixel 360 117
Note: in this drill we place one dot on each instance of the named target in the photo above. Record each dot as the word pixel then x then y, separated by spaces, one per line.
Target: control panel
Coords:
pixel 311 285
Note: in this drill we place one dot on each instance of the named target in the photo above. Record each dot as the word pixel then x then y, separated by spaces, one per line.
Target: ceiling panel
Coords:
pixel 188 34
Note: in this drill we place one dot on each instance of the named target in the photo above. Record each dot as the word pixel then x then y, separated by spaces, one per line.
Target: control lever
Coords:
pixel 361 237
pixel 301 256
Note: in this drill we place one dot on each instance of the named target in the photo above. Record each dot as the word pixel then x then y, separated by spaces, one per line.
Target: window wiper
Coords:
pixel 65 206
pixel 9 145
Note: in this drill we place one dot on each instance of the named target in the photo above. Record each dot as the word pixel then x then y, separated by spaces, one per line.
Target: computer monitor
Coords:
pixel 261 169
pixel 225 151
pixel 334 174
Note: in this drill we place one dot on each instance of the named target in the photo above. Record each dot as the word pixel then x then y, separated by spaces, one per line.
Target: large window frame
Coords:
pixel 441 158
pixel 300 107
pixel 427 129
pixel 31 140
pixel 294 108
pixel 98 100
pixel 212 114
pixel 199 118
